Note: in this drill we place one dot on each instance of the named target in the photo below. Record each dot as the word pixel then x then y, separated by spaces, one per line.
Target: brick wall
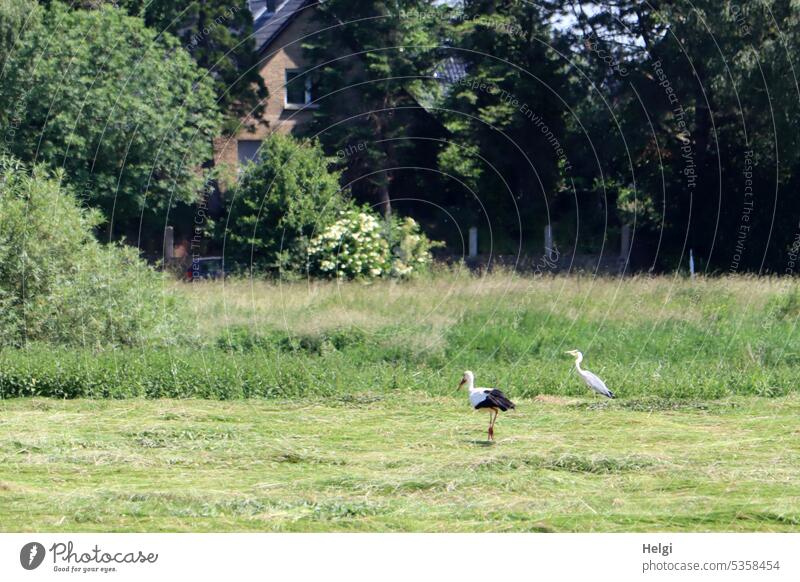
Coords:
pixel 285 52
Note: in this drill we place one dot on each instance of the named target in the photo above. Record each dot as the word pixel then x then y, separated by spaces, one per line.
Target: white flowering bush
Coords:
pixel 353 246
pixel 360 245
pixel 411 249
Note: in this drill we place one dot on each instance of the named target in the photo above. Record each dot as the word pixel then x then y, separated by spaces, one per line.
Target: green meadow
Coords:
pixel 662 336
pixel 319 406
pixel 380 462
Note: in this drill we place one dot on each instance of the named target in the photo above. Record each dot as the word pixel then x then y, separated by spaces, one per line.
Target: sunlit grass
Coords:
pixel 666 336
pixel 399 463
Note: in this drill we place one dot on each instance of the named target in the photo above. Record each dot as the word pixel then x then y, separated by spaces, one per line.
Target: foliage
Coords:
pixel 279 204
pixel 506 115
pixel 16 16
pixel 57 283
pixel 365 104
pixel 219 36
pixel 353 246
pixel 411 248
pixel 123 110
pixel 685 118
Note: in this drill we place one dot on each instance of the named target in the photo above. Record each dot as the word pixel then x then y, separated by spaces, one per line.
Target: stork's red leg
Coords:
pixel 491 425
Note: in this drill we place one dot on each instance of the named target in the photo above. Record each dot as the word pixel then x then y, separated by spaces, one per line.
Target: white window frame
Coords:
pixel 307 95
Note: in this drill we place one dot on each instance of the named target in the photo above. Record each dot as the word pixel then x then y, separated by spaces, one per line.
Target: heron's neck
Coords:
pixel 578 360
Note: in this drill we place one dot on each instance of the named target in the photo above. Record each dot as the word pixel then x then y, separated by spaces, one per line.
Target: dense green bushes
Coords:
pixel 58 284
pixel 281 201
pixel 289 214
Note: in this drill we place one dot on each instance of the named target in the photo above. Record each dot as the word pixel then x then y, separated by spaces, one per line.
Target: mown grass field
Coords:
pixel 399 463
pixel 326 407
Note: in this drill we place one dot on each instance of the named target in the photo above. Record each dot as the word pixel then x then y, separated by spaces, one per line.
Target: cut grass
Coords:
pixel 395 462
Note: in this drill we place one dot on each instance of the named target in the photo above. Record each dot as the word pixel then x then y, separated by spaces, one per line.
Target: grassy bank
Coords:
pixel 379 462
pixel 670 337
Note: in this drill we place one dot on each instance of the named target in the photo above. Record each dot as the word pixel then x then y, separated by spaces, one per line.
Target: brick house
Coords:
pixel 279 26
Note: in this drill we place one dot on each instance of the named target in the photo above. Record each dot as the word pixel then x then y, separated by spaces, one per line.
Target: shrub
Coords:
pixel 361 245
pixel 57 283
pixel 411 249
pixel 354 246
pixel 282 199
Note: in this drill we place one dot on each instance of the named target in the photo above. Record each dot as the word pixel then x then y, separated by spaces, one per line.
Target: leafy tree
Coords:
pixel 279 204
pixel 219 36
pixel 366 107
pixel 57 283
pixel 699 130
pixel 14 16
pixel 506 116
pixel 125 112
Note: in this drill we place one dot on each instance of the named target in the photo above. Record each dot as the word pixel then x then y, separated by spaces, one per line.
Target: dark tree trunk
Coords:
pixel 384 199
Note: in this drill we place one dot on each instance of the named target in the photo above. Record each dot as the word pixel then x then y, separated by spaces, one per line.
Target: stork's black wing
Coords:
pixel 496 399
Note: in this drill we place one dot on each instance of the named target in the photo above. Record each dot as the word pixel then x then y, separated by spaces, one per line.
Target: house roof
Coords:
pixel 450 70
pixel 268 25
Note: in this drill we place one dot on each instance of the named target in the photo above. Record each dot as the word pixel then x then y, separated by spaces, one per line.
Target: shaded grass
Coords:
pixel 395 462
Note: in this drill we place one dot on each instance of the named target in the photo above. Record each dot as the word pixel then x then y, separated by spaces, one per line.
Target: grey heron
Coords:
pixel 592 381
pixel 491 400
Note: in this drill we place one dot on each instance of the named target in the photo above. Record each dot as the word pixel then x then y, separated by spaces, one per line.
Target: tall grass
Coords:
pixel 666 336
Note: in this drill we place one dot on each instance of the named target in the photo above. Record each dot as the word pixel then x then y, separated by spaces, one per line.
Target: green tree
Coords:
pixel 14 14
pixel 125 112
pixel 366 107
pixel 219 36
pixel 704 124
pixel 506 116
pixel 279 204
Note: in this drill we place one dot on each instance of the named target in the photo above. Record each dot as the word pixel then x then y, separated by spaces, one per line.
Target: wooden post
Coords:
pixel 169 244
pixel 548 241
pixel 473 242
pixel 624 247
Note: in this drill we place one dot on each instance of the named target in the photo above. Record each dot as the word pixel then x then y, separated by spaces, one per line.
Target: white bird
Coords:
pixel 591 380
pixel 490 399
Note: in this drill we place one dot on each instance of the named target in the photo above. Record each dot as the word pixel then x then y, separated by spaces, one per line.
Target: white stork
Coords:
pixel 591 380
pixel 491 400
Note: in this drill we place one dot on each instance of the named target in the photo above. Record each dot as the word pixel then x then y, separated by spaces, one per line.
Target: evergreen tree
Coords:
pixel 384 52
pixel 506 115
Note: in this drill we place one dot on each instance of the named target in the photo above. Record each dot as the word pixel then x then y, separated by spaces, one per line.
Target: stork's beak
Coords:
pixel 460 384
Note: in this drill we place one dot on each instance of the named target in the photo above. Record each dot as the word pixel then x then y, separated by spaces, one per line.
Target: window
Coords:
pixel 298 88
pixel 248 150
